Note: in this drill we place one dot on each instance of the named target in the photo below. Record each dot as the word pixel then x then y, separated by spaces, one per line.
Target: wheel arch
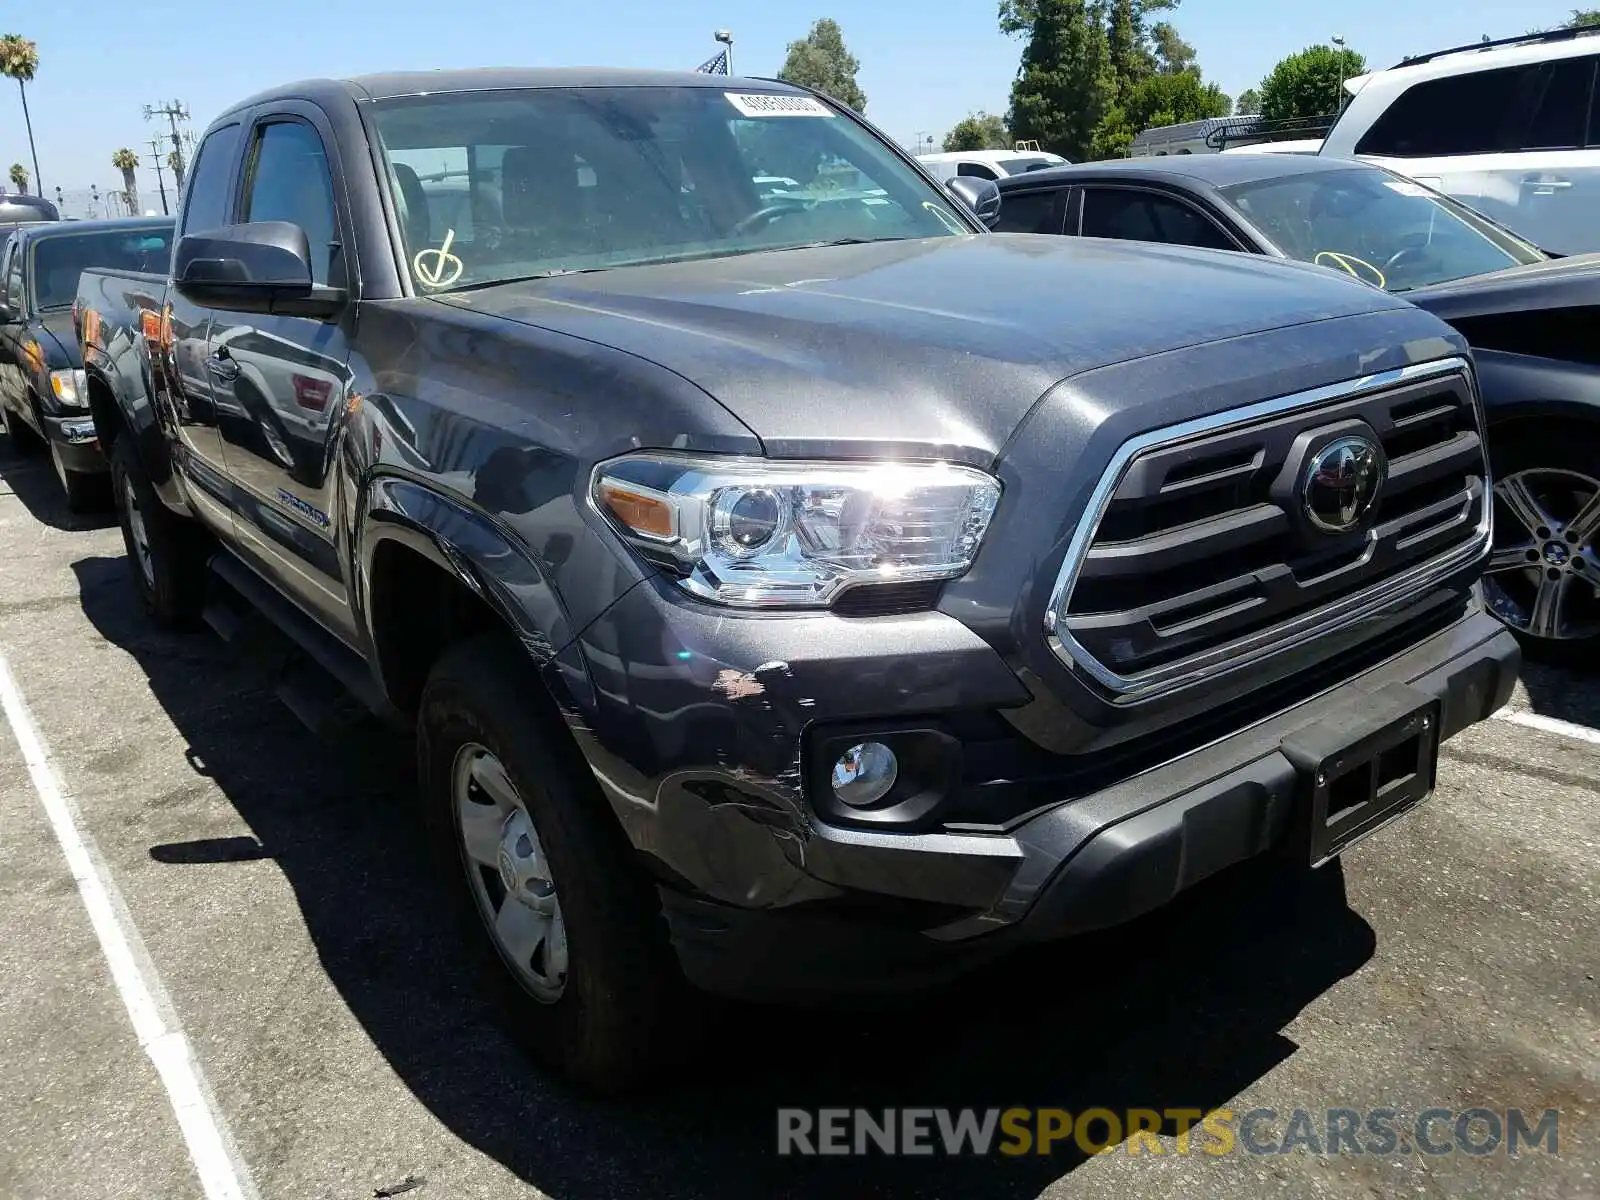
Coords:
pixel 434 572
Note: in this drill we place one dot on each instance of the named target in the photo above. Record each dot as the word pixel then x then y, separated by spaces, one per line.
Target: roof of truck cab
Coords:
pixel 390 84
pixel 1183 170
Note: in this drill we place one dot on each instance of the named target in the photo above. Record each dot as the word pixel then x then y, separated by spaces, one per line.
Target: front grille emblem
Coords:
pixel 1342 483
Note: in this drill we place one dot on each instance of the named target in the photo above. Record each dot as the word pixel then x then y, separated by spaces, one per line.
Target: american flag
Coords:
pixel 714 66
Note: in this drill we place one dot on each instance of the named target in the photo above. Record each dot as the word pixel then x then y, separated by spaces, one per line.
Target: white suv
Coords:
pixel 1511 128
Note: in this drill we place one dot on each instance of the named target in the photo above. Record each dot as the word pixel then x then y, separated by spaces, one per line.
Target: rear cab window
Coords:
pixel 1139 216
pixel 206 207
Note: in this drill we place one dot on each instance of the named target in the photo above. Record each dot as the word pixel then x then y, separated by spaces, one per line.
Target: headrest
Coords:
pixel 419 228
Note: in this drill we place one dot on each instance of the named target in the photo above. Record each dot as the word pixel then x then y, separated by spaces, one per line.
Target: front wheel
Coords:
pixel 1544 576
pixel 85 492
pixel 566 926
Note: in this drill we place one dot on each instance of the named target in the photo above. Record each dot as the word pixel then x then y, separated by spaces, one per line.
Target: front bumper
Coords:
pixel 73 439
pixel 1088 863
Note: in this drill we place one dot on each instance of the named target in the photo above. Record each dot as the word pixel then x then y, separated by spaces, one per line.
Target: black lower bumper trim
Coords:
pixel 1104 859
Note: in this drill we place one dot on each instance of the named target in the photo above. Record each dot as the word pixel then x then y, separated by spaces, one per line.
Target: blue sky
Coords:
pixel 923 65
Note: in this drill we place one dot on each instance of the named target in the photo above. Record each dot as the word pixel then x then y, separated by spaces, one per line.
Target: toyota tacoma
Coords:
pixel 793 593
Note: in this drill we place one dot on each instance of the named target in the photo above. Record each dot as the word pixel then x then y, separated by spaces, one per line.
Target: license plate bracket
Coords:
pixel 1364 767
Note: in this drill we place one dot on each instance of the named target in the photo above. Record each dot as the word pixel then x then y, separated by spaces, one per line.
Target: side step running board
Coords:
pixel 306 696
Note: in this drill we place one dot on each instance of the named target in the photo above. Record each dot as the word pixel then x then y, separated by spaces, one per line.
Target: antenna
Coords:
pixel 174 111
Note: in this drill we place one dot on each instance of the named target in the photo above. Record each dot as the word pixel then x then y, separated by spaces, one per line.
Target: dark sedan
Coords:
pixel 1530 317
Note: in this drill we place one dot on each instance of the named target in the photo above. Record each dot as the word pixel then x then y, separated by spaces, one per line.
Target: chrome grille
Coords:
pixel 1192 558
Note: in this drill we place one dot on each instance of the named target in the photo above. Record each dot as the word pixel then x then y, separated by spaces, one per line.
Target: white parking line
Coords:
pixel 222 1175
pixel 1581 733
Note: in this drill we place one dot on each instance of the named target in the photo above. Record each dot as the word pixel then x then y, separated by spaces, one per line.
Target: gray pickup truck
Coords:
pixel 43 398
pixel 792 593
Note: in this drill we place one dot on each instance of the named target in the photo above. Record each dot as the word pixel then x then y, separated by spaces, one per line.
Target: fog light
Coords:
pixel 864 774
pixel 78 431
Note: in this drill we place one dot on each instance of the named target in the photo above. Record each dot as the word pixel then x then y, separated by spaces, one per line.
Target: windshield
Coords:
pixel 514 184
pixel 1036 162
pixel 1379 227
pixel 59 259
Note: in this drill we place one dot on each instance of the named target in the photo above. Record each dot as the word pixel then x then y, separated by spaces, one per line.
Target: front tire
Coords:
pixel 567 928
pixel 1543 579
pixel 166 553
pixel 85 493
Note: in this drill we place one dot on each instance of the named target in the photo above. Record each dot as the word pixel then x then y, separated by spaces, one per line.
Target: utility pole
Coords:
pixel 174 111
pixel 161 182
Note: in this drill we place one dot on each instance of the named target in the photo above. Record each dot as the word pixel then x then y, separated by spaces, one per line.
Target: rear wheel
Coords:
pixel 166 553
pixel 1544 577
pixel 567 928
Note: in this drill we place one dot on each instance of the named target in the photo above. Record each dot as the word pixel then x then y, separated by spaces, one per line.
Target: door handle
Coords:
pixel 222 365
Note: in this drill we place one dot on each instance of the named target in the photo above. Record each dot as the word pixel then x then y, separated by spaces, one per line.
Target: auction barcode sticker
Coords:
pixel 767 104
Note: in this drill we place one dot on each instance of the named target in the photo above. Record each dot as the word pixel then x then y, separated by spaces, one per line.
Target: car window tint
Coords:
pixel 1562 114
pixel 289 180
pixel 1484 112
pixel 1030 212
pixel 206 206
pixel 976 171
pixel 1143 217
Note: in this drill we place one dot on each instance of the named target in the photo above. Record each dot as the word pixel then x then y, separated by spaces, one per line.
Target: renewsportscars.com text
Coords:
pixel 1016 1131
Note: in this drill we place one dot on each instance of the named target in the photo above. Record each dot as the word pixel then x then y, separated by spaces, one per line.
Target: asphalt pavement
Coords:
pixel 275 902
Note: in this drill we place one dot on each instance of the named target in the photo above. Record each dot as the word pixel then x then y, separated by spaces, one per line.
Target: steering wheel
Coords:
pixel 1358 268
pixel 1404 255
pixel 767 214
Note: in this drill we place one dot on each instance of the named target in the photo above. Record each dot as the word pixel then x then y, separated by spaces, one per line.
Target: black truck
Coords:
pixel 801 592
pixel 43 395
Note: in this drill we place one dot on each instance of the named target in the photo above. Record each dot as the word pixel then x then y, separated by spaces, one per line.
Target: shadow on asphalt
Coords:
pixel 27 474
pixel 1562 694
pixel 1178 1011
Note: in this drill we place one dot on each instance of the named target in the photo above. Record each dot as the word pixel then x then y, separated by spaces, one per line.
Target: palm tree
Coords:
pixel 19 60
pixel 175 165
pixel 126 160
pixel 19 176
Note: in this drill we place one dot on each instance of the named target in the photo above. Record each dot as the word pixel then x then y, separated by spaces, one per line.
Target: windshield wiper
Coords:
pixel 551 274
pixel 844 241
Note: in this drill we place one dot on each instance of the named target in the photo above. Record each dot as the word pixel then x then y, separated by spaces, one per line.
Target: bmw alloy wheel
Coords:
pixel 509 873
pixel 1544 575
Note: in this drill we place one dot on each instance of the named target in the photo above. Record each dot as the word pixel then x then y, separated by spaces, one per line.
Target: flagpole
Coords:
pixel 725 36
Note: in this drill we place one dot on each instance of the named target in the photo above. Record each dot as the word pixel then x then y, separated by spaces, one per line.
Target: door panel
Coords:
pixel 282 383
pixel 1550 197
pixel 184 386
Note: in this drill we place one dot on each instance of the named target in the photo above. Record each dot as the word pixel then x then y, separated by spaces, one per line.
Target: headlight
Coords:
pixel 70 387
pixel 755 533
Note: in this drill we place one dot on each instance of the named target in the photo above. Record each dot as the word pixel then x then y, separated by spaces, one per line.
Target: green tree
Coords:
pixel 19 60
pixel 979 131
pixel 1582 17
pixel 1308 84
pixel 19 177
pixel 1065 83
pixel 1173 54
pixel 1155 101
pixel 819 60
pixel 127 161
pixel 1248 104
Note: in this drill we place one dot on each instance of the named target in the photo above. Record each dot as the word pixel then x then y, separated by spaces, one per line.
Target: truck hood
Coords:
pixel 941 344
pixel 1560 283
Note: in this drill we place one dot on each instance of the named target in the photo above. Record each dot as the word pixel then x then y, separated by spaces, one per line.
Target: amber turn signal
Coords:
pixel 640 513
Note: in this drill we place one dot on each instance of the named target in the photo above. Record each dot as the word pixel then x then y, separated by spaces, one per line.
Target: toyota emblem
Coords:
pixel 1342 483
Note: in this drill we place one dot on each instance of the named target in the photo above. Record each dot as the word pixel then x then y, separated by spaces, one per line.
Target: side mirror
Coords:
pixel 261 267
pixel 982 196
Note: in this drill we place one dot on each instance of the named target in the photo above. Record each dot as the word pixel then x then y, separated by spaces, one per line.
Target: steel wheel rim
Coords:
pixel 509 874
pixel 138 534
pixel 1543 578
